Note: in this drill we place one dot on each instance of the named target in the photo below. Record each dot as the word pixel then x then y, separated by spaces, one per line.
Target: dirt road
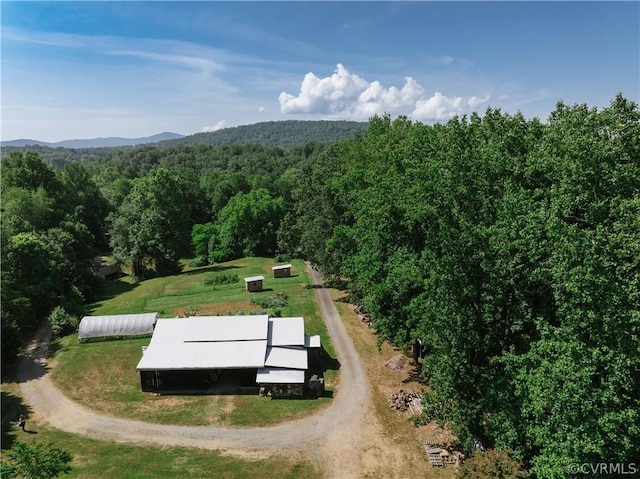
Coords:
pixel 343 436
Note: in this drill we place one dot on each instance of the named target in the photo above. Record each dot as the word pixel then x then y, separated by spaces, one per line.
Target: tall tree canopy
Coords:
pixel 510 249
pixel 50 222
pixel 151 227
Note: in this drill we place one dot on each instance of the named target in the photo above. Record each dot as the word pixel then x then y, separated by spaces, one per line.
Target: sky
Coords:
pixel 73 70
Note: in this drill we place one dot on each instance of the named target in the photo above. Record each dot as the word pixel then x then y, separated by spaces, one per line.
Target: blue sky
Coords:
pixel 96 69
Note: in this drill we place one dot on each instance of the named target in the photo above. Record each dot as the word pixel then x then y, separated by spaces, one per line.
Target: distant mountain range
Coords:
pixel 96 142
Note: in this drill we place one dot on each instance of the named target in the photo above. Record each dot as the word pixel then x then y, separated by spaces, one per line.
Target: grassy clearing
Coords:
pixel 102 376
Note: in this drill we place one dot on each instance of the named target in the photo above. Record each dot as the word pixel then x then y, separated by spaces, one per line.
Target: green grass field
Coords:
pixel 102 375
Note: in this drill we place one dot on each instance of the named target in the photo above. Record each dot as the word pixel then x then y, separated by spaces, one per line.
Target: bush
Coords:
pixel 61 322
pixel 36 461
pixel 198 261
pixel 493 464
pixel 277 301
pixel 221 279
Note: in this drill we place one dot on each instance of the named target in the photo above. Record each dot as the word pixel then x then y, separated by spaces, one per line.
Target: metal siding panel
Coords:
pixel 279 376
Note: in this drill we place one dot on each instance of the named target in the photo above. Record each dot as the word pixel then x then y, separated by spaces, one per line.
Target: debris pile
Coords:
pixel 407 401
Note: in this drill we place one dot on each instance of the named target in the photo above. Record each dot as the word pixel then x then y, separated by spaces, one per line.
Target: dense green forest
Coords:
pixel 282 134
pixel 507 248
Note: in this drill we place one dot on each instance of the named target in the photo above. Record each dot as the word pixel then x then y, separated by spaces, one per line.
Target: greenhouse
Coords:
pixel 116 326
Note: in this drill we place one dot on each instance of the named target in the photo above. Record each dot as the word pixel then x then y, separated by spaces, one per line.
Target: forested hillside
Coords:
pixel 284 134
pixel 281 134
pixel 508 248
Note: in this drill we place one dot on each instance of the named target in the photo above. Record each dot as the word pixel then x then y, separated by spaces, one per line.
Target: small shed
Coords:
pixel 253 283
pixel 281 271
pixel 116 326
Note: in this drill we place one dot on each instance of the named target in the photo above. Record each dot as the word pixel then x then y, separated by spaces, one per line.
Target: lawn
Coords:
pixel 102 375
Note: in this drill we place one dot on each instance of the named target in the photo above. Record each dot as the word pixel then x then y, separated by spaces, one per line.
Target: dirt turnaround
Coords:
pixel 344 438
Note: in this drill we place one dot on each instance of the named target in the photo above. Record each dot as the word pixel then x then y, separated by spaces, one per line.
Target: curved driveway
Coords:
pixel 341 421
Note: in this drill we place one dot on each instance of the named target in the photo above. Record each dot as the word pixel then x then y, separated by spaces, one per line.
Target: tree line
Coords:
pixel 509 249
pixel 506 248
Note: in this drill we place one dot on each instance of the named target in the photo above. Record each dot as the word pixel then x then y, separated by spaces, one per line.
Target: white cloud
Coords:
pixel 216 127
pixel 346 95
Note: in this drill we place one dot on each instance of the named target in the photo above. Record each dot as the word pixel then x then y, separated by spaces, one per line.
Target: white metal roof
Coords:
pixel 211 328
pixel 168 330
pixel 286 331
pixel 253 278
pixel 284 266
pixel 280 376
pixel 204 355
pixel 312 341
pixel 226 328
pixel 217 342
pixel 116 325
pixel 291 358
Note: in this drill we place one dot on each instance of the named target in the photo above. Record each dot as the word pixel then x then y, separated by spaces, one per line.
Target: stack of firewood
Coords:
pixel 407 401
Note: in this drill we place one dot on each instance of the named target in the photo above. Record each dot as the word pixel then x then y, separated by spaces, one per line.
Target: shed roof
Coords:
pixel 280 376
pixel 282 266
pixel 253 278
pixel 116 325
pixel 286 331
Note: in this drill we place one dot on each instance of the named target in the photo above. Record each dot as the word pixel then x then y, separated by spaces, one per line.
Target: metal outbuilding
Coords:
pixel 193 353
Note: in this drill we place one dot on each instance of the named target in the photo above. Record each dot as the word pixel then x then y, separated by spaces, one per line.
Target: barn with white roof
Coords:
pixel 202 353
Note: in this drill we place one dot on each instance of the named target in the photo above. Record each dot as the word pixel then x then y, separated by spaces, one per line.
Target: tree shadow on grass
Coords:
pixel 12 407
pixel 209 269
pixel 110 291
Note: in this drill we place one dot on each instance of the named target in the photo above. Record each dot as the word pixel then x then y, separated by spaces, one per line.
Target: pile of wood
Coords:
pixel 406 400
pixel 440 457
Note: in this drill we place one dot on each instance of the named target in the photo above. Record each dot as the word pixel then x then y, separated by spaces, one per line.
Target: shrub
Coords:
pixel 223 278
pixel 36 461
pixel 493 464
pixel 277 301
pixel 61 322
pixel 198 261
